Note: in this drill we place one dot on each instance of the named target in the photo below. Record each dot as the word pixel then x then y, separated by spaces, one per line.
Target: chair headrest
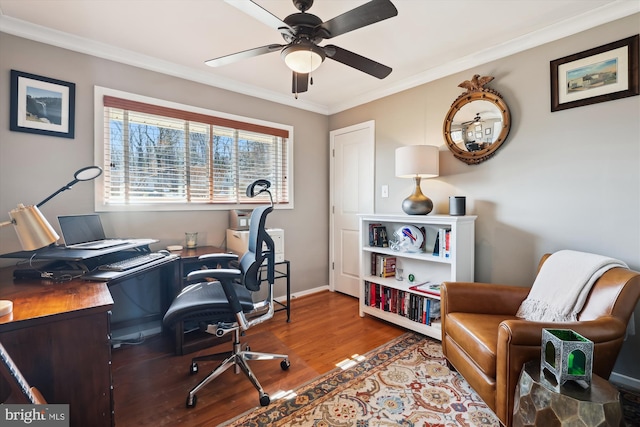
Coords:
pixel 262 184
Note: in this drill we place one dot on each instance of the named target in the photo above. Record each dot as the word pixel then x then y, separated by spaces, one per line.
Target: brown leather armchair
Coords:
pixel 487 344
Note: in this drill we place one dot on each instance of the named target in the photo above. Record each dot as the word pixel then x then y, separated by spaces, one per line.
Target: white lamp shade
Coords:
pixel 33 229
pixel 417 160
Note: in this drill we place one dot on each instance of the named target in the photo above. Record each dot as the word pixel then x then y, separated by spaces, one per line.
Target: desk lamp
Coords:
pixel 417 161
pixel 33 229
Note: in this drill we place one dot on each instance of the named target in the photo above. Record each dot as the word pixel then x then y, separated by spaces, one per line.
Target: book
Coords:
pixel 387 266
pixel 447 243
pixel 383 237
pixel 427 288
pixel 378 236
pixel 434 311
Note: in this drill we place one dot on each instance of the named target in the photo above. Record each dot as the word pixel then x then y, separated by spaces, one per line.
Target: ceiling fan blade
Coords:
pixel 258 12
pixel 299 83
pixel 366 14
pixel 356 61
pixel 250 53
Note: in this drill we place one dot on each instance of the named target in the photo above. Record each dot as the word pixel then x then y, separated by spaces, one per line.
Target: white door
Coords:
pixel 352 193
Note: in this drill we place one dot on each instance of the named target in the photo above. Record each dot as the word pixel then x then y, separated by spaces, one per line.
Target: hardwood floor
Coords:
pixel 151 383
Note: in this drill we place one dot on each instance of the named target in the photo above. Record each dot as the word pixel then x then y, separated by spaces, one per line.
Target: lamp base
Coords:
pixel 417 203
pixel 6 307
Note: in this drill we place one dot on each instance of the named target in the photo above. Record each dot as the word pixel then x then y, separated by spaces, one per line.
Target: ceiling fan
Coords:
pixel 476 119
pixel 303 31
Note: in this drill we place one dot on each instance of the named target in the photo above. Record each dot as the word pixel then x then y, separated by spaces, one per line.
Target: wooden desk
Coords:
pixel 59 337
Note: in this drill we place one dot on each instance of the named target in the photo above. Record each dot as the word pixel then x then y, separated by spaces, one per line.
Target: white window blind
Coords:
pixel 154 154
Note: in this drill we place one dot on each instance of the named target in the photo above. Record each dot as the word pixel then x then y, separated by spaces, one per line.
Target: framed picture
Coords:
pixel 600 74
pixel 487 131
pixel 42 105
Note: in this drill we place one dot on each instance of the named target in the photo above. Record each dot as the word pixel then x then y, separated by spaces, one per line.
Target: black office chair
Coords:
pixel 220 301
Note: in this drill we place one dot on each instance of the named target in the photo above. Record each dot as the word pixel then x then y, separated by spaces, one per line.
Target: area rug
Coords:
pixel 405 382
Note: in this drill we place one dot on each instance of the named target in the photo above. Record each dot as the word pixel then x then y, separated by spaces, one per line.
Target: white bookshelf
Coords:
pixel 458 266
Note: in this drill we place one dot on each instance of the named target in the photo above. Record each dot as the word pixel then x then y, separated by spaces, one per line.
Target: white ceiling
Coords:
pixel 428 39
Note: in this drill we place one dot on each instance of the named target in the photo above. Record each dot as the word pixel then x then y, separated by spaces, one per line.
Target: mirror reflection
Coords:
pixel 476 125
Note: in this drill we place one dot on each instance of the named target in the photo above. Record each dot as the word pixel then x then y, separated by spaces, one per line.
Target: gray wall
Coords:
pixel 33 166
pixel 563 180
pixel 568 179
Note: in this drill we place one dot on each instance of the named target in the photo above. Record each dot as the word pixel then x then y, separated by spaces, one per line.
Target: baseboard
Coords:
pixel 283 298
pixel 625 381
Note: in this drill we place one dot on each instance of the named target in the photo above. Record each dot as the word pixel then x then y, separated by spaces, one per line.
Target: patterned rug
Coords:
pixel 405 382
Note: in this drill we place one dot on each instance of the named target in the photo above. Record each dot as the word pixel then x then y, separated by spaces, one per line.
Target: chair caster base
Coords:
pixel 191 401
pixel 193 369
pixel 264 399
pixel 285 364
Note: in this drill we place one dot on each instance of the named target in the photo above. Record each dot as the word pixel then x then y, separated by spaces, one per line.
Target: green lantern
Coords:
pixel 566 355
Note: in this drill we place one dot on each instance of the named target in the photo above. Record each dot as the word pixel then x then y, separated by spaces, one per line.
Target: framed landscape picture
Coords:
pixel 42 105
pixel 600 74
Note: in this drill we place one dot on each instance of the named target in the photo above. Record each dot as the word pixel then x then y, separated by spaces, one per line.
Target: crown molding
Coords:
pixel 64 40
pixel 602 15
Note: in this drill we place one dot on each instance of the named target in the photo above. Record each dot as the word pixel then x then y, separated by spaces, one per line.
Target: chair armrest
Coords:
pixel 215 273
pixel 222 259
pixel 486 298
pixel 528 333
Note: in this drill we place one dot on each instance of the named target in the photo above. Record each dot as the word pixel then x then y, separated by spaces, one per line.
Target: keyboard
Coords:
pixel 129 263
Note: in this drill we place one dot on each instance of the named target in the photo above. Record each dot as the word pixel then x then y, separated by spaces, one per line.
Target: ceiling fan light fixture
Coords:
pixel 303 58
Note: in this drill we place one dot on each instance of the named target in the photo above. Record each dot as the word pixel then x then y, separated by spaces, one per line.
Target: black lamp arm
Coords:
pixel 85 174
pixel 66 187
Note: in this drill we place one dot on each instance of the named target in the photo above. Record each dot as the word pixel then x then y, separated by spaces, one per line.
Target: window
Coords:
pixel 164 156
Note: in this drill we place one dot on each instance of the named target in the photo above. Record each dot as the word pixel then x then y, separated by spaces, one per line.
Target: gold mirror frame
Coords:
pixel 483 150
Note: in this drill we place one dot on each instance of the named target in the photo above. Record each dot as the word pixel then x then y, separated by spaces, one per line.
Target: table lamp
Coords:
pixel 33 229
pixel 417 162
pixel 34 232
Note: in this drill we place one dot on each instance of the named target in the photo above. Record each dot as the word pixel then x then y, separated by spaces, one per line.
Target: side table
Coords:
pixel 537 404
pixel 281 274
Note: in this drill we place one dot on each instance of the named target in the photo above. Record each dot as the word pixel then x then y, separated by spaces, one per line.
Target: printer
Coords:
pixel 239 219
pixel 238 241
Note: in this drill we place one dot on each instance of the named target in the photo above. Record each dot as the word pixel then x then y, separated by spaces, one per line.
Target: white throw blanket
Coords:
pixel 562 285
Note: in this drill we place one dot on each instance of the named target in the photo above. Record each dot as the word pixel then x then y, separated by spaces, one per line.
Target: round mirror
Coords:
pixel 477 123
pixel 88 173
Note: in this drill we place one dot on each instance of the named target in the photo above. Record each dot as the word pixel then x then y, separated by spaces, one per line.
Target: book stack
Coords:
pixel 378 236
pixel 383 265
pixel 427 288
pixel 442 246
pixel 407 304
